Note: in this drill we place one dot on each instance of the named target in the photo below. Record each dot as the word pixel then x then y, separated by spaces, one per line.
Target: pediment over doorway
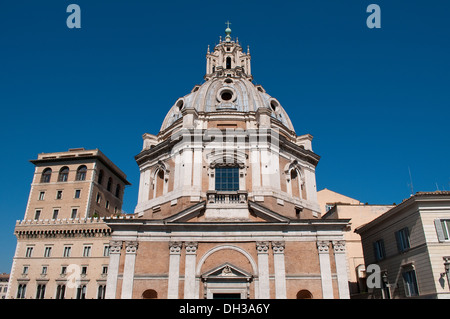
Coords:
pixel 226 271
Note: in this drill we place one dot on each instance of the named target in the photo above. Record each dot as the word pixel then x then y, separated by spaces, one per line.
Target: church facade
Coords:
pixel 227 204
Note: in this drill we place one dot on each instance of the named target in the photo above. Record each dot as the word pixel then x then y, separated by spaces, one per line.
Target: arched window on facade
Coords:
pixel 304 294
pixel 109 185
pixel 159 183
pixel 100 177
pixel 118 191
pixel 295 183
pixel 46 175
pixel 150 294
pixel 63 174
pixel 81 173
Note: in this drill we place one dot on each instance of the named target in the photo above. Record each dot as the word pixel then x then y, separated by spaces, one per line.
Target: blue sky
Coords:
pixel 375 100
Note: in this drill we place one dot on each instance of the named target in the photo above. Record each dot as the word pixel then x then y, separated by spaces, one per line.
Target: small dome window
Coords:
pixel 226 95
pixel 179 105
pixel 274 105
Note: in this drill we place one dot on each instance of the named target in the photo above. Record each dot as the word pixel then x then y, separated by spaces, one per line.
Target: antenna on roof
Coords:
pixel 411 184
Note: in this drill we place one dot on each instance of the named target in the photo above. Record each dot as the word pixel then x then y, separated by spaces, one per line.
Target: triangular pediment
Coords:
pixel 226 271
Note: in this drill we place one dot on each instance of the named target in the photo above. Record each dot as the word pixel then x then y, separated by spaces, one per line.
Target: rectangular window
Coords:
pixel 379 251
pixel 445 224
pixel 55 213
pixel 29 252
pixel 60 291
pixel 44 270
pixel 410 282
pixel 63 270
pixel 87 251
pixel 99 198
pixel 84 270
pixel 47 251
pixel 81 292
pixel 41 195
pixel 227 178
pixel 104 270
pixel 25 270
pixel 21 291
pixel 37 214
pixel 106 251
pixel 67 251
pixel 74 213
pixel 402 237
pixel 40 291
pixel 77 193
pixel 59 194
pixel 107 204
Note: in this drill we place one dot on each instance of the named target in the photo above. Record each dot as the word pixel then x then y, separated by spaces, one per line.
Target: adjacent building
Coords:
pixel 337 206
pixel 62 243
pixel 410 246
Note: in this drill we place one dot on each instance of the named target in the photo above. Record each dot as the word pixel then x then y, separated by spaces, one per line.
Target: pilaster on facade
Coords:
pixel 174 269
pixel 262 248
pixel 115 247
pixel 279 269
pixel 325 269
pixel 128 272
pixel 341 268
pixel 189 272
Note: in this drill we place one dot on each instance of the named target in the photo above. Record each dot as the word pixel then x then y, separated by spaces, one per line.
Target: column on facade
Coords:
pixel 341 269
pixel 174 269
pixel 128 271
pixel 279 269
pixel 325 269
pixel 113 269
pixel 262 249
pixel 189 270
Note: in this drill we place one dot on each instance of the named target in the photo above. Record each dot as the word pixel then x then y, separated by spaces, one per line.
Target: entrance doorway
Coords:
pixel 226 296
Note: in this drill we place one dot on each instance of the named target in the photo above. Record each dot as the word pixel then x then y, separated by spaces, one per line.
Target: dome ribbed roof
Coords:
pixel 219 94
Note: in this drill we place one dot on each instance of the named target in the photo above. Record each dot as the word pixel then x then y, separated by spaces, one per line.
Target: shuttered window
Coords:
pixel 442 229
pixel 402 237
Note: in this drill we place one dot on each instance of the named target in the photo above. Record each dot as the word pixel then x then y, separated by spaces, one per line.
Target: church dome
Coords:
pixel 220 94
pixel 227 89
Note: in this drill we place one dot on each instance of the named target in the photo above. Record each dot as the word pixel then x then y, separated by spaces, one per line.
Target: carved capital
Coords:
pixel 175 247
pixel 262 247
pixel 131 247
pixel 191 247
pixel 339 246
pixel 322 246
pixel 278 247
pixel 115 246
